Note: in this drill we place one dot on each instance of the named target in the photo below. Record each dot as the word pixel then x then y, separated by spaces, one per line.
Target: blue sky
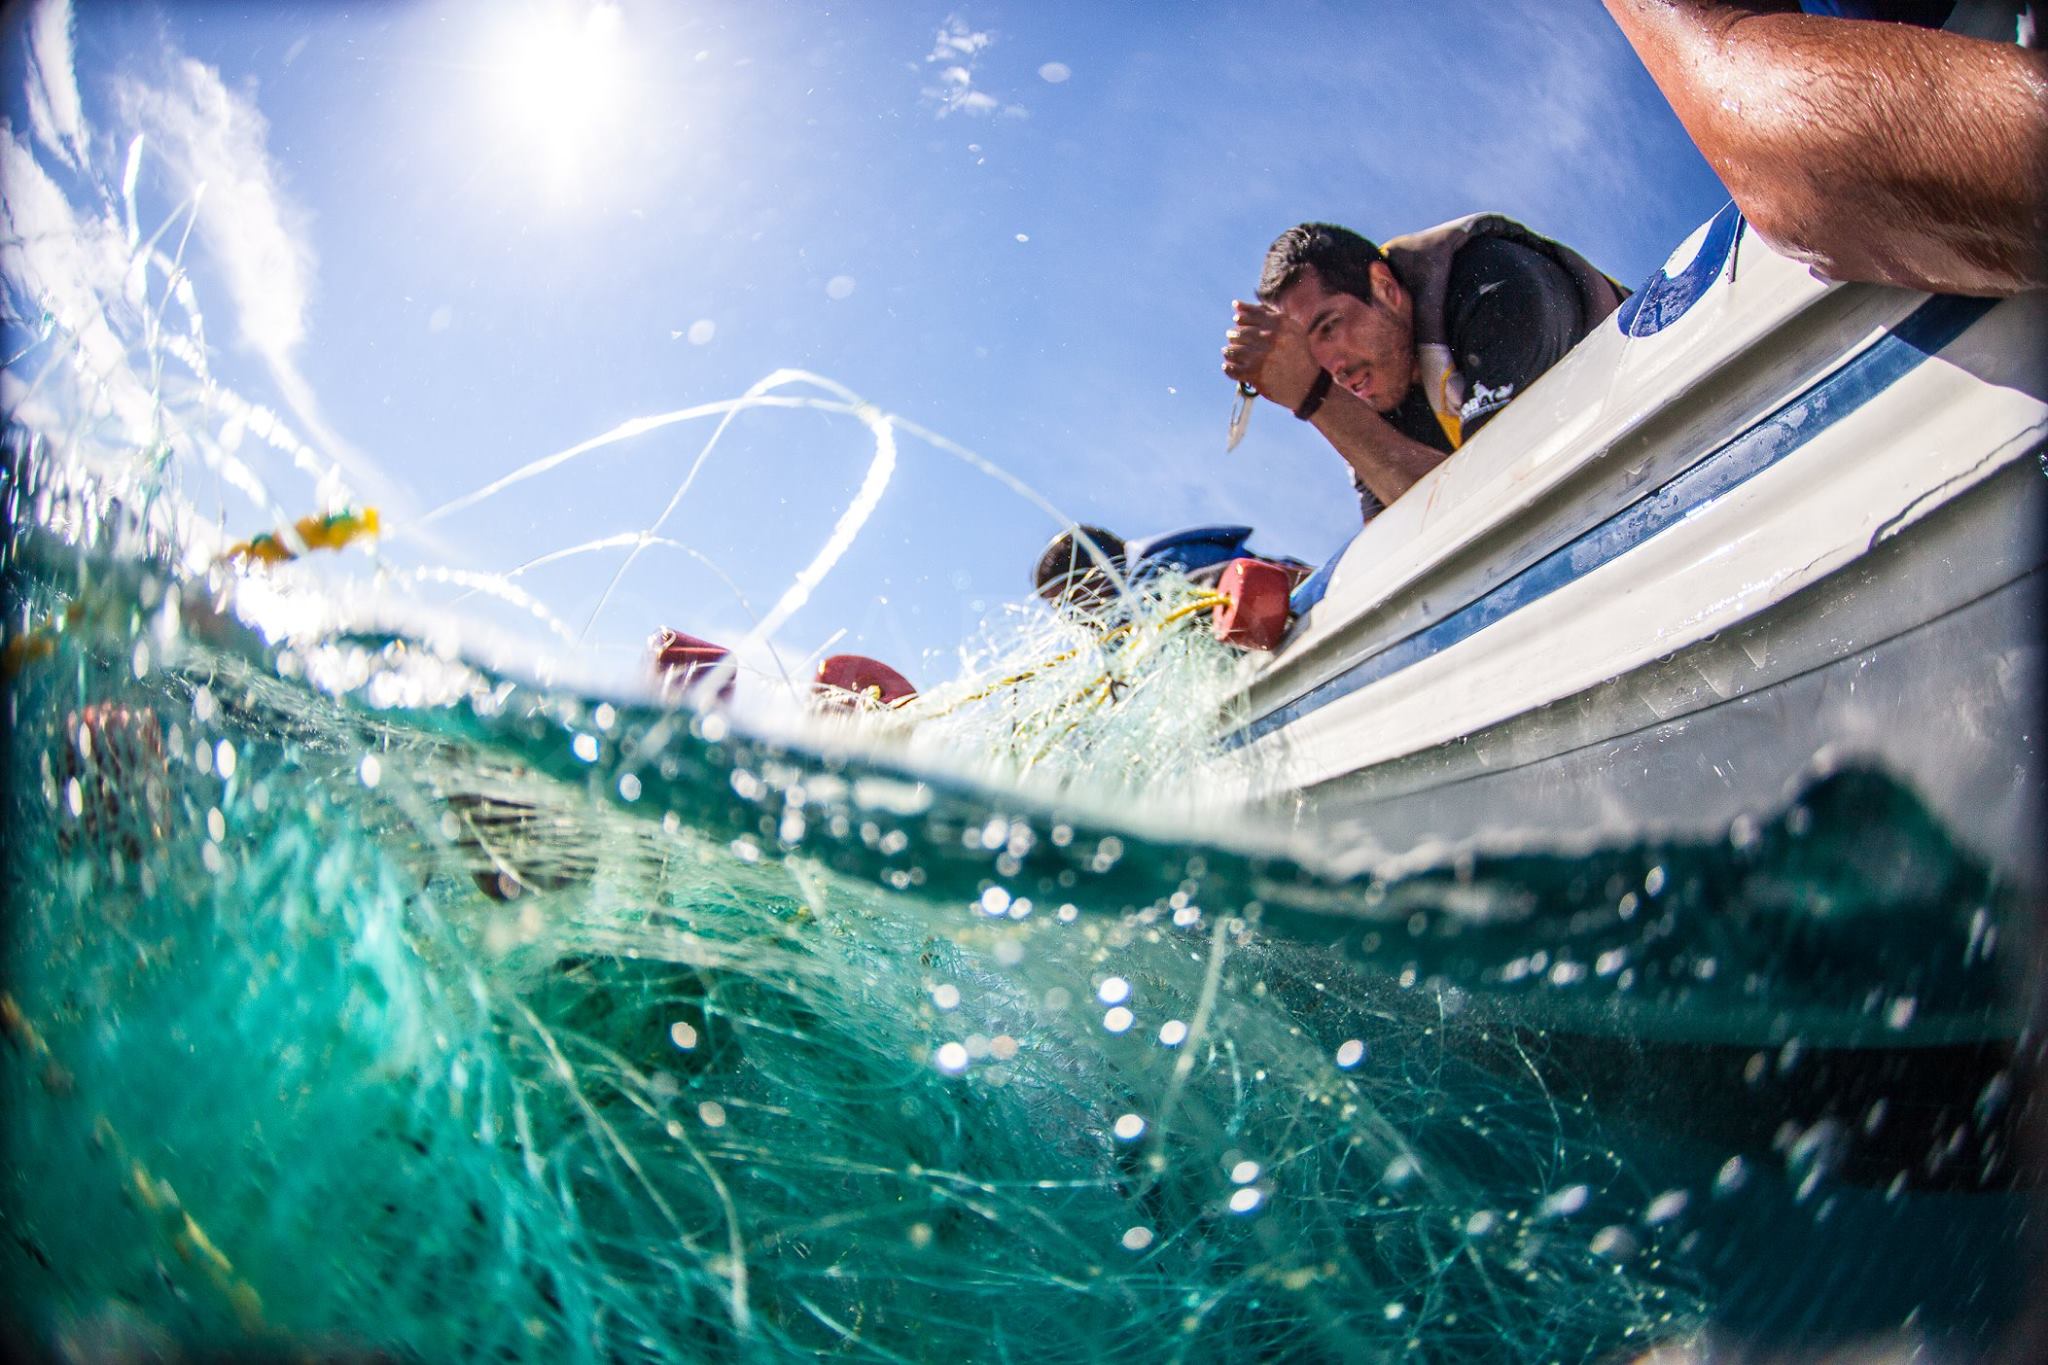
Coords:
pixel 447 239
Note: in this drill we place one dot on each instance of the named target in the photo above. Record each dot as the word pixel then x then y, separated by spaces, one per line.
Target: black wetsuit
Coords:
pixel 1510 314
pixel 1924 13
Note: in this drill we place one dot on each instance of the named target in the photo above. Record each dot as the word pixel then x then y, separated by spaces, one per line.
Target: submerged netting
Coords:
pixel 300 1078
pixel 531 1026
pixel 368 1031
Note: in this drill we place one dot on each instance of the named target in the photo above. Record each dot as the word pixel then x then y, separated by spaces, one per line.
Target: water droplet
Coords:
pixel 1137 1238
pixel 224 759
pixel 1118 1020
pixel 682 1034
pixel 1114 990
pixel 1173 1033
pixel 1565 1202
pixel 1665 1207
pixel 629 787
pixel 1244 1172
pixel 1246 1199
pixel 370 771
pixel 1614 1243
pixel 995 901
pixel 951 1058
pixel 713 1114
pixel 584 747
pixel 1350 1053
pixel 946 997
pixel 1129 1127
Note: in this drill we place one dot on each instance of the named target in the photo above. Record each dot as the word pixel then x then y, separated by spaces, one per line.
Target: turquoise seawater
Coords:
pixel 490 1021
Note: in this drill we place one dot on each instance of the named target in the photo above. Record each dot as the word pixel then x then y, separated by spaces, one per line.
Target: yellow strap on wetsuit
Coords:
pixel 1453 425
pixel 1453 428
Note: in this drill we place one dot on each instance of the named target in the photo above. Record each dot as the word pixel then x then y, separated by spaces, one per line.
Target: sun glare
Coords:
pixel 558 77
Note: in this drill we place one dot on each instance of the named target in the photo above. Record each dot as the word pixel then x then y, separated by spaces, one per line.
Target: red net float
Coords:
pixel 682 661
pixel 851 682
pixel 1256 615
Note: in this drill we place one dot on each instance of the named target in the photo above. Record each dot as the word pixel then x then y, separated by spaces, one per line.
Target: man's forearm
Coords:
pixel 1385 461
pixel 1873 151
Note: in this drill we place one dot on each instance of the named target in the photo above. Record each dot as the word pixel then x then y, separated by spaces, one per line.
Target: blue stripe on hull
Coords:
pixel 1926 330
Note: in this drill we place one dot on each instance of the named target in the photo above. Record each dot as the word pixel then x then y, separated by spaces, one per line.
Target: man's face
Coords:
pixel 1368 348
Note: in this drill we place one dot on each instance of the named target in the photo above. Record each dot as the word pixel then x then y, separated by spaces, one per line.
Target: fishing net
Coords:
pixel 367 1031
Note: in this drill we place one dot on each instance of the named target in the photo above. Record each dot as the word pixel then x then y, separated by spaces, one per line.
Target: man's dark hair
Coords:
pixel 1341 257
pixel 1066 566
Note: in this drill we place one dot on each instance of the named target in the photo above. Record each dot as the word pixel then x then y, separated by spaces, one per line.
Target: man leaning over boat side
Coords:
pixel 1399 354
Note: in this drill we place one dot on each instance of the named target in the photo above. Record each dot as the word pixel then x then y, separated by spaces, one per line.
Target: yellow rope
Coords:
pixel 154 1195
pixel 1214 599
pixel 329 532
pixel 1180 613
pixel 38 643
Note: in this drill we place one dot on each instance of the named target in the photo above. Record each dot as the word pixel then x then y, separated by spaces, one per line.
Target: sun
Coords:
pixel 558 76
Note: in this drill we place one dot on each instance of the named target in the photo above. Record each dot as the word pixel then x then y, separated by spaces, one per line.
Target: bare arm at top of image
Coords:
pixel 1874 151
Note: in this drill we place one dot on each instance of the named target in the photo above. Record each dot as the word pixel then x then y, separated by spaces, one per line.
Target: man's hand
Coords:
pixel 1269 351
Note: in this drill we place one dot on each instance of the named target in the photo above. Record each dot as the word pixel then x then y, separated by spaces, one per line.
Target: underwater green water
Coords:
pixel 529 1025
